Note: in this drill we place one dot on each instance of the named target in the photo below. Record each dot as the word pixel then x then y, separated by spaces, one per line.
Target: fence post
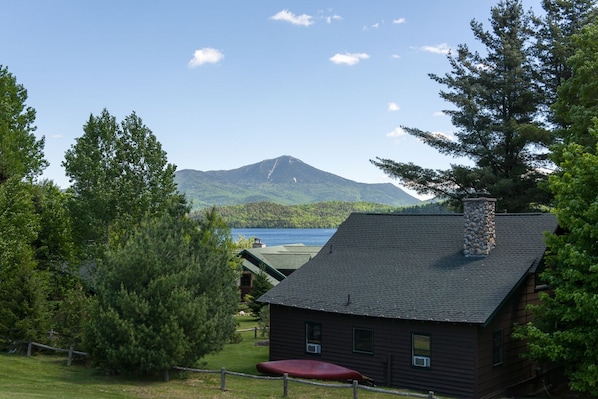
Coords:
pixel 29 349
pixel 355 389
pixel 431 395
pixel 254 332
pixel 285 384
pixel 70 358
pixel 222 379
pixel 166 376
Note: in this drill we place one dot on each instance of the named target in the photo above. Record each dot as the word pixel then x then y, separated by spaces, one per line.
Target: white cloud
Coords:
pixel 334 17
pixel 287 16
pixel 373 26
pixel 393 106
pixel 438 113
pixel 441 48
pixel 398 132
pixel 349 58
pixel 396 56
pixel 399 21
pixel 206 55
pixel 57 136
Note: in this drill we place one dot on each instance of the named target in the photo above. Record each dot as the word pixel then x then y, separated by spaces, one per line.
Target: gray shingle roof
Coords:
pixel 412 267
pixel 277 259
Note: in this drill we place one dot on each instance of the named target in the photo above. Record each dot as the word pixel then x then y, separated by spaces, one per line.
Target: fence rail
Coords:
pixel 71 351
pixel 285 383
pixel 355 386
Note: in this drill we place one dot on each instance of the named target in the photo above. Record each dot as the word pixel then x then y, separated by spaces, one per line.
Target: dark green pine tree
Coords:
pixel 555 45
pixel 163 299
pixel 496 100
pixel 259 286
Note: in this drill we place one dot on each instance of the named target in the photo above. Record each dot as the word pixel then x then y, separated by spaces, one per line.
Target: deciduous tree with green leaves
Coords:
pixel 54 248
pixel 23 288
pixel 119 175
pixel 21 153
pixel 565 327
pixel 497 100
pixel 166 297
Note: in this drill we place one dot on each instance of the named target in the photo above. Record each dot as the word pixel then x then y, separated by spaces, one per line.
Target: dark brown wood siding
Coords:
pixel 461 354
pixel 453 349
pixel 515 369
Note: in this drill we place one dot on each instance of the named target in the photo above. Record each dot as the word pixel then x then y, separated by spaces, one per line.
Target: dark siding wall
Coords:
pixel 453 357
pixel 515 369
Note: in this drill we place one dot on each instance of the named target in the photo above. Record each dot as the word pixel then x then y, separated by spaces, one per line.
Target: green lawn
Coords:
pixel 47 376
pixel 241 357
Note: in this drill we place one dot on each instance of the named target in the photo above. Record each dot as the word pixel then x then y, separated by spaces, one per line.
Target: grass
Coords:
pixel 47 376
pixel 241 357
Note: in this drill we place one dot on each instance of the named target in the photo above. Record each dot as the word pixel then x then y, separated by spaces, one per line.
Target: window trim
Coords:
pixel 498 348
pixel 312 339
pixel 371 331
pixel 424 357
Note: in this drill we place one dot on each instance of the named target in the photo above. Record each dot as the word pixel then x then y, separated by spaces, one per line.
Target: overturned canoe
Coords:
pixel 311 369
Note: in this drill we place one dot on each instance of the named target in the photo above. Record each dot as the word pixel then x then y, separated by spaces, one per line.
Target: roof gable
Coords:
pixel 278 261
pixel 412 267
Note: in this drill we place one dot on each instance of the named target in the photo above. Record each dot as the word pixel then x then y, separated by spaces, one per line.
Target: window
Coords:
pixel 363 340
pixel 246 279
pixel 497 348
pixel 420 348
pixel 313 338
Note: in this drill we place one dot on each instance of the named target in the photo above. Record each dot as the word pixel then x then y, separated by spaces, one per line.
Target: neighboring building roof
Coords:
pixel 412 267
pixel 279 261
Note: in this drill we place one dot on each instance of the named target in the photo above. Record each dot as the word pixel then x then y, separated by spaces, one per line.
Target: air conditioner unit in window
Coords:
pixel 313 348
pixel 421 361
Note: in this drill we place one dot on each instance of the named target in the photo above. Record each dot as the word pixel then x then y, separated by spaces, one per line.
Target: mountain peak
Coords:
pixel 283 170
pixel 284 180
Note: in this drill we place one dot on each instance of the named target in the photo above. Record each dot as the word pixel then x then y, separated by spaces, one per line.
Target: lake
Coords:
pixel 272 237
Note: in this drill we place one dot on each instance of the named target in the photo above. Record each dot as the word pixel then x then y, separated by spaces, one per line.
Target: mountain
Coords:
pixel 284 180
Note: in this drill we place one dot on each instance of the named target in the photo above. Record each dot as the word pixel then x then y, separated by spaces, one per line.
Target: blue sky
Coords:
pixel 223 84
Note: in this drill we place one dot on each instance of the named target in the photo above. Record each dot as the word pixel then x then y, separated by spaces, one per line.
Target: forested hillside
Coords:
pixel 283 180
pixel 319 215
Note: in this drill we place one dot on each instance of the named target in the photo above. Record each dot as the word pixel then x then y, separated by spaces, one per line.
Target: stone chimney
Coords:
pixel 480 233
pixel 257 243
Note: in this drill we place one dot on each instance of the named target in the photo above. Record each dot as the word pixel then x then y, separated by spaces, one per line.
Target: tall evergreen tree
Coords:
pixel 577 103
pixel 562 20
pixel 163 299
pixel 259 286
pixel 565 329
pixel 496 98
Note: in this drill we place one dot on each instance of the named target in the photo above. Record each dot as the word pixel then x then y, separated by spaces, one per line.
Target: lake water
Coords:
pixel 272 237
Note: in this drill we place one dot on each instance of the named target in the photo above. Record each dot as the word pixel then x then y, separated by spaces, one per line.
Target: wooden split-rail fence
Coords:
pixel 355 386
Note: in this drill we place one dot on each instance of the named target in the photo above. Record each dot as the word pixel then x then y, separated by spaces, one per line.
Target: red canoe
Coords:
pixel 313 369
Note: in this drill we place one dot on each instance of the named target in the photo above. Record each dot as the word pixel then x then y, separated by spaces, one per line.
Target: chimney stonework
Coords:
pixel 480 233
